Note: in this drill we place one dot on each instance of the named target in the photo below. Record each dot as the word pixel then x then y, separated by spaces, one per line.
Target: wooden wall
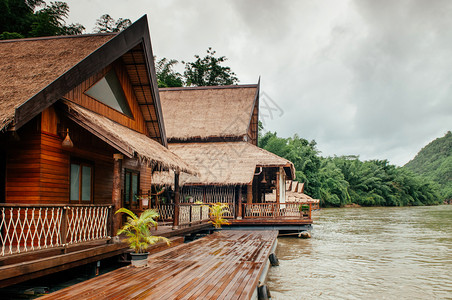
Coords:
pixel 23 166
pixel 38 168
pixel 145 173
pixel 78 96
pixel 54 163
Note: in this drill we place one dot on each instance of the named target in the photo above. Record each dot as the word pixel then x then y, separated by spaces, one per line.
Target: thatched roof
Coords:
pixel 223 163
pixel 126 140
pixel 192 113
pixel 29 65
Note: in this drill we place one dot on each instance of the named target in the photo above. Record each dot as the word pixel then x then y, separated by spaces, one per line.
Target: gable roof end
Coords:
pixel 83 65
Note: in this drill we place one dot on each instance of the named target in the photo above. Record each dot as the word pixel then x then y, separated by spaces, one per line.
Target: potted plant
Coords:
pixel 138 231
pixel 144 200
pixel 217 212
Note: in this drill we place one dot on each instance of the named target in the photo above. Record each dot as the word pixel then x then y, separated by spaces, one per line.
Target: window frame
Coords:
pixel 81 164
pixel 132 203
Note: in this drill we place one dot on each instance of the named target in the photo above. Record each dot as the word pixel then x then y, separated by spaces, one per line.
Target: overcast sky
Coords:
pixel 368 78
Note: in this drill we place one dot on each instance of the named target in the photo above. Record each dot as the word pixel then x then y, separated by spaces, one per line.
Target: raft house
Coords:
pixel 82 133
pixel 215 129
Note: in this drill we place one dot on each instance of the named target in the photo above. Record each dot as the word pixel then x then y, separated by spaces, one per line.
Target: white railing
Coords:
pixel 25 228
pixel 190 214
pixel 86 223
pixel 275 210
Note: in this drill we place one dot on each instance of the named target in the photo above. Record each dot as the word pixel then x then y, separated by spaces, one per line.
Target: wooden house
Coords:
pixel 215 129
pixel 81 131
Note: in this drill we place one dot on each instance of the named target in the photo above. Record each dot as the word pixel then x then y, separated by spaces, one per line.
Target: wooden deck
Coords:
pixel 224 265
pixel 21 267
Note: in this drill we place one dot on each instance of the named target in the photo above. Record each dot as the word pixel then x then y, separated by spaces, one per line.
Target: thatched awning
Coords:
pixel 227 163
pixel 200 113
pixel 126 140
pixel 29 65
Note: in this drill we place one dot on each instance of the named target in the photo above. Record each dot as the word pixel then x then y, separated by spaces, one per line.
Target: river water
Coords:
pixel 368 253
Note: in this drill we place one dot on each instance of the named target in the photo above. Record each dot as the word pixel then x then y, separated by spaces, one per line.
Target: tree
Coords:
pixel 207 71
pixel 23 18
pixel 107 24
pixel 50 21
pixel 338 181
pixel 166 76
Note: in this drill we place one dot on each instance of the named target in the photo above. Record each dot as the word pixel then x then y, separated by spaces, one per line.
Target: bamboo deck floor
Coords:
pixel 223 265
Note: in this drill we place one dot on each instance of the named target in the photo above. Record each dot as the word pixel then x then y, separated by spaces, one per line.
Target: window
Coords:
pixel 108 90
pixel 131 186
pixel 81 183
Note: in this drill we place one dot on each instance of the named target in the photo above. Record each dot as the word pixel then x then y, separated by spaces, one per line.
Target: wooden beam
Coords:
pixel 176 201
pixel 22 269
pixel 240 213
pixel 116 194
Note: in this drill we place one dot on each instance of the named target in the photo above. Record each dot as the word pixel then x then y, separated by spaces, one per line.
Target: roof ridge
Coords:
pixel 56 37
pixel 208 87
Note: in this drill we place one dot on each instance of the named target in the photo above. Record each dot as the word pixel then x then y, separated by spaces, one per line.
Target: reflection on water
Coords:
pixel 368 253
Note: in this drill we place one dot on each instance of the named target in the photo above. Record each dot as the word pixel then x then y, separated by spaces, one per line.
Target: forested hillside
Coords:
pixel 434 162
pixel 338 181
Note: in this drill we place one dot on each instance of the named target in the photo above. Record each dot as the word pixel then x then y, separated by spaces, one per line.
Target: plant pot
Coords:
pixel 139 259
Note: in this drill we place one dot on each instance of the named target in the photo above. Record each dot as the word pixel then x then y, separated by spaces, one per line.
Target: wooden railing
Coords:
pixel 166 212
pixel 274 210
pixel 26 227
pixel 190 214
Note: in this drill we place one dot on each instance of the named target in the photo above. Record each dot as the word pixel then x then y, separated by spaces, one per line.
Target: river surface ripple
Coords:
pixel 368 253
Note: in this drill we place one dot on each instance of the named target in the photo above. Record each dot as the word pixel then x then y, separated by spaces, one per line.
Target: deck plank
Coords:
pixel 224 265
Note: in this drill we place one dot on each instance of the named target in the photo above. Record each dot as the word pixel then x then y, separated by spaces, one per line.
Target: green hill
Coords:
pixel 434 162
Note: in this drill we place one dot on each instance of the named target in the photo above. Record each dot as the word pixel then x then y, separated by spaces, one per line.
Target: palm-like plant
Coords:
pixel 138 229
pixel 217 212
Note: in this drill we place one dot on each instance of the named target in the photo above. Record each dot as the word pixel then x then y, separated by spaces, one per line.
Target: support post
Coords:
pixel 176 201
pixel 249 193
pixel 116 195
pixel 278 193
pixel 64 228
pixel 239 212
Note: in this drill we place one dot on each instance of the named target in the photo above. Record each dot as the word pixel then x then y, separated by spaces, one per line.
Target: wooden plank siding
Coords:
pixel 22 183
pixel 54 177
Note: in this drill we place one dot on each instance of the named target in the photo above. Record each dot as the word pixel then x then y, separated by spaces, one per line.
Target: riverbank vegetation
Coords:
pixel 342 180
pixel 434 162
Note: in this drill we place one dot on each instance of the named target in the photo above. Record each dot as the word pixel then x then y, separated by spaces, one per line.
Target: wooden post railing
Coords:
pixel 29 227
pixel 192 214
pixel 291 210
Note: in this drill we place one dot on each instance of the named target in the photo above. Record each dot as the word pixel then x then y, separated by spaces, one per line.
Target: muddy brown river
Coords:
pixel 368 253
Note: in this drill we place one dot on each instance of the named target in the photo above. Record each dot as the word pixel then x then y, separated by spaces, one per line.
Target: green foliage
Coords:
pixel 50 21
pixel 217 211
pixel 10 35
pixel 207 71
pixel 434 162
pixel 166 76
pixel 338 181
pixel 107 24
pixel 138 229
pixel 35 18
